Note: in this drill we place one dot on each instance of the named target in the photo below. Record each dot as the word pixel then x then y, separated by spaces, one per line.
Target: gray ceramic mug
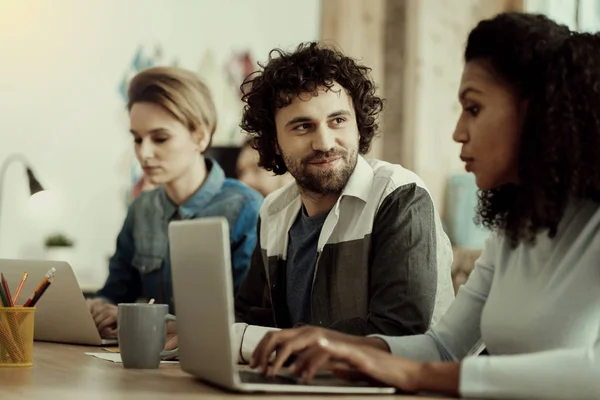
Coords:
pixel 142 331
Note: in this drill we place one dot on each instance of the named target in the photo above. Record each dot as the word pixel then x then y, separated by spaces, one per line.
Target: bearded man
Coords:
pixel 353 245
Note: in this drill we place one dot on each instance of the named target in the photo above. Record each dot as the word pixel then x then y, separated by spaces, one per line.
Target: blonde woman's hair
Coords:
pixel 179 91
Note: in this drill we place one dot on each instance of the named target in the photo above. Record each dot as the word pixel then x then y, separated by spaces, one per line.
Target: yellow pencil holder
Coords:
pixel 16 336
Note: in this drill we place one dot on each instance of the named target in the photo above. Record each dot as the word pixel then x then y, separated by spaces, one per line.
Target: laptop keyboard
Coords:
pixel 321 379
pixel 255 377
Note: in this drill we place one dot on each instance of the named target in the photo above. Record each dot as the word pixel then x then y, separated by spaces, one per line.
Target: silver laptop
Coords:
pixel 203 291
pixel 61 314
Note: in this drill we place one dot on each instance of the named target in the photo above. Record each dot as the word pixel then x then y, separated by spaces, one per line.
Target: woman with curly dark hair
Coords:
pixel 352 244
pixel 530 132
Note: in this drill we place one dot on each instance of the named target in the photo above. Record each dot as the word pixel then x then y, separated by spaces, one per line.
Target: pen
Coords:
pixel 20 287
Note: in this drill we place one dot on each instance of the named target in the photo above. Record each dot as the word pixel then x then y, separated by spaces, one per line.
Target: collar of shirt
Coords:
pixel 203 196
pixel 359 185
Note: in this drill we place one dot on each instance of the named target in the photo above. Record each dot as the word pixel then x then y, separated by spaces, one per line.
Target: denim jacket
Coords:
pixel 141 268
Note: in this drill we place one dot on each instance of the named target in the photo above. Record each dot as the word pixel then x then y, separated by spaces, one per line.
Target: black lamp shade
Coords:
pixel 34 184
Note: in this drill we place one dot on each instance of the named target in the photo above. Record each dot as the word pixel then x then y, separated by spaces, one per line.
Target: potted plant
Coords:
pixel 59 247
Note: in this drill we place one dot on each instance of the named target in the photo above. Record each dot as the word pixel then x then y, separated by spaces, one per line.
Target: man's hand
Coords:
pixel 295 341
pixel 171 342
pixel 105 317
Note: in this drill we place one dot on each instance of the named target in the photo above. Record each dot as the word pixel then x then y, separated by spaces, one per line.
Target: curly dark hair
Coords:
pixel 289 74
pixel 558 72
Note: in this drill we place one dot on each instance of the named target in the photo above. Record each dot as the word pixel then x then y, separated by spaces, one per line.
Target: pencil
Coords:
pixel 20 287
pixel 39 294
pixel 9 324
pixel 3 297
pixel 6 334
pixel 49 275
pixel 6 291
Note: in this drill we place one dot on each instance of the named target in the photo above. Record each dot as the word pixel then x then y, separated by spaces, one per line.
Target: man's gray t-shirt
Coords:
pixel 301 262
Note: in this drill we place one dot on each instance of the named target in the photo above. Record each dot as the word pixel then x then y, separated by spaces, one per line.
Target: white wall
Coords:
pixel 437 35
pixel 564 12
pixel 62 62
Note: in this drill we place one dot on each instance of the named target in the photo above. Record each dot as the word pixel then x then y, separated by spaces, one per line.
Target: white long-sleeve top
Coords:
pixel 537 310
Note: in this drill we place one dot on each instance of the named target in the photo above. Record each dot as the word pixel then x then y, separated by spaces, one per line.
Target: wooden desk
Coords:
pixel 65 372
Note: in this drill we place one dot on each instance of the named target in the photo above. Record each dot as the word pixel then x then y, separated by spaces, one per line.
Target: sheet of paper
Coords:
pixel 116 357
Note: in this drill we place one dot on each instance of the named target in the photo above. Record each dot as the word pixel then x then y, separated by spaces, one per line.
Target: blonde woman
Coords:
pixel 172 120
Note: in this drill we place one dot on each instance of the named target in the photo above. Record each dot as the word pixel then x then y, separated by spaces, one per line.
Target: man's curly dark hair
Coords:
pixel 289 74
pixel 558 72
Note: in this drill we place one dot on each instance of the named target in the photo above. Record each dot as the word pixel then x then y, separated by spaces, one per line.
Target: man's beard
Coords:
pixel 326 181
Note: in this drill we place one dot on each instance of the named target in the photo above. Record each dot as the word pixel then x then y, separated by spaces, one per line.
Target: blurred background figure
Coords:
pixel 257 177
